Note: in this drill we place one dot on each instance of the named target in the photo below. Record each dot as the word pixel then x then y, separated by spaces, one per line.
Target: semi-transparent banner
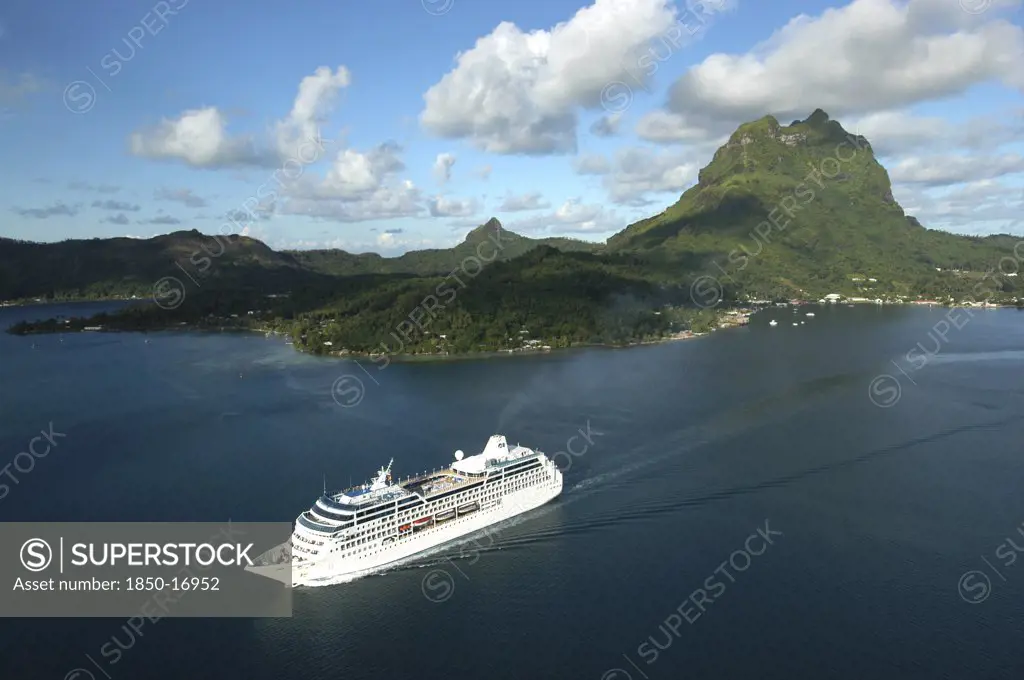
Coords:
pixel 154 570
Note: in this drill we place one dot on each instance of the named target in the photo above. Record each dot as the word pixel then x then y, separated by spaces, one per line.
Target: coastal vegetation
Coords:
pixel 781 212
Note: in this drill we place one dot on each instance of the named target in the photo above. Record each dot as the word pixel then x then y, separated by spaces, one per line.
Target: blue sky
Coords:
pixel 560 118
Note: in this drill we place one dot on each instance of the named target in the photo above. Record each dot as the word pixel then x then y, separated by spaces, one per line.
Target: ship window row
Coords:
pixel 310 524
pixel 332 514
pixel 310 541
pixel 519 466
pixel 386 527
pixel 336 506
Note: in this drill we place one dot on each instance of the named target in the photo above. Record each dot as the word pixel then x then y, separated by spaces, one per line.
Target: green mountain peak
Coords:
pixel 817 119
pixel 486 230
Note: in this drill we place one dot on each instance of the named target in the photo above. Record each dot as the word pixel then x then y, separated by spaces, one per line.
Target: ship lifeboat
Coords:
pixel 444 516
pixel 404 528
pixel 422 521
pixel 468 507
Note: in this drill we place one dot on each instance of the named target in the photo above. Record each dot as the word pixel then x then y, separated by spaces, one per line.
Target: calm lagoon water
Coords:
pixel 883 503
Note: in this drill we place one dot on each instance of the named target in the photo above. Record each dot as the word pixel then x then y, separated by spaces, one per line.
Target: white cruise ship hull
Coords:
pixel 330 568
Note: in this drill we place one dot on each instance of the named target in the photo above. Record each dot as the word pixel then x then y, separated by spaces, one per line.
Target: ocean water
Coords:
pixel 832 499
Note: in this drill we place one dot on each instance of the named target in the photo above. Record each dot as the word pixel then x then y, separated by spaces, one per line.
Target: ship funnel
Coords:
pixel 496 447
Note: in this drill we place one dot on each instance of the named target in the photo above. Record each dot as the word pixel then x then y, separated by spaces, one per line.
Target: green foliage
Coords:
pixel 780 212
pixel 800 211
pixel 488 241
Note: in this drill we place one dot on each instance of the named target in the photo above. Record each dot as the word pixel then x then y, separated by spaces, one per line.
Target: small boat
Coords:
pixel 773 322
pixel 795 323
pixel 444 516
pixel 810 313
pixel 801 323
pixel 422 520
pixel 468 508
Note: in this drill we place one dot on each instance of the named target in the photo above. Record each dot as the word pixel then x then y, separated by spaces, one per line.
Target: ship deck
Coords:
pixel 438 482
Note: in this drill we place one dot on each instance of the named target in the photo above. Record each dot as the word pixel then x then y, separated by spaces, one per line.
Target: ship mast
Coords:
pixel 383 475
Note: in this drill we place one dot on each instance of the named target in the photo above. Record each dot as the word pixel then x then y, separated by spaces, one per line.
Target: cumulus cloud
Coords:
pixel 592 164
pixel 572 217
pixel 184 196
pixel 120 206
pixel 359 186
pixel 318 94
pixel 442 169
pixel 58 209
pixel 868 56
pixel 665 127
pixel 899 132
pixel 355 174
pixel 199 137
pixel 260 211
pixel 980 207
pixel 389 243
pixel 640 171
pixel 606 126
pixel 528 201
pixel 441 206
pixel 946 170
pixel 519 93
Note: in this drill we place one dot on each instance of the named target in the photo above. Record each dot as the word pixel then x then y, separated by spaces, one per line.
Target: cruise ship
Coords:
pixel 369 526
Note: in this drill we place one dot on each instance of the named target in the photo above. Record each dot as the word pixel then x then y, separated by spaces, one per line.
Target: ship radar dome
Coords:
pixel 459 454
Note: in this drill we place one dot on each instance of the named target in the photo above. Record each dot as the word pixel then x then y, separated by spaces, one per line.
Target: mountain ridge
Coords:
pixel 778 209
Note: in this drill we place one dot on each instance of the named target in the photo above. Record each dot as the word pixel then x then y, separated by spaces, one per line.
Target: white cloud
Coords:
pixel 199 137
pixel 442 169
pixel 389 202
pixel 528 201
pixel 980 207
pixel 900 131
pixel 441 206
pixel 355 174
pixel 606 126
pixel 896 132
pixel 389 244
pixel 664 127
pixel 358 187
pixel 484 172
pixel 516 92
pixel 868 56
pixel 572 217
pixel 640 171
pixel 314 102
pixel 946 170
pixel 591 164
